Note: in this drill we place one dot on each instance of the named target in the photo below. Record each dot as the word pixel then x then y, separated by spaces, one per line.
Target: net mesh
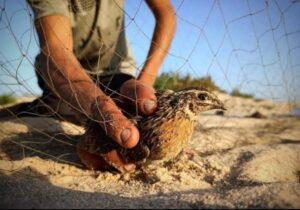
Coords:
pixel 251 46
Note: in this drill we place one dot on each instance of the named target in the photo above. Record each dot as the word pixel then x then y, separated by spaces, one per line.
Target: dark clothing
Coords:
pixel 48 105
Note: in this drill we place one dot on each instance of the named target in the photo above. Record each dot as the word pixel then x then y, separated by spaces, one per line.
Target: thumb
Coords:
pixel 148 106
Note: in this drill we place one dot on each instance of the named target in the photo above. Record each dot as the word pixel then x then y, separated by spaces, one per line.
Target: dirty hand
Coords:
pixel 109 118
pixel 114 123
pixel 140 95
pixel 117 126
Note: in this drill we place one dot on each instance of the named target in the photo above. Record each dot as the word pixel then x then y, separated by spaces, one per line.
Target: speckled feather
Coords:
pixel 164 134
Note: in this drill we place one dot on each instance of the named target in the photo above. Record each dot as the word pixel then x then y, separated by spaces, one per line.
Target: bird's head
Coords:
pixel 196 100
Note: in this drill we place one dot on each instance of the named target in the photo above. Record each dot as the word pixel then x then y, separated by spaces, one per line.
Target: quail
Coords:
pixel 163 134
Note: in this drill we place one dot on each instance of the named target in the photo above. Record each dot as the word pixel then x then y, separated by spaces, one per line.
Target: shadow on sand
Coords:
pixel 53 144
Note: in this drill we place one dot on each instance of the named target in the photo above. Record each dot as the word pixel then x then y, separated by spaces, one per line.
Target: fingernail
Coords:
pixel 125 135
pixel 149 105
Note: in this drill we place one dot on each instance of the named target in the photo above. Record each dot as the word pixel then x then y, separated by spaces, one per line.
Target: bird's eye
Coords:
pixel 202 97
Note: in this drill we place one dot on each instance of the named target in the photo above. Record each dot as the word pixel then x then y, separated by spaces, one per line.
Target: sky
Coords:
pixel 251 45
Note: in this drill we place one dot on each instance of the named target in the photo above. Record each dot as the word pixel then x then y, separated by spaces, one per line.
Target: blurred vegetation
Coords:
pixel 7 99
pixel 176 82
pixel 236 92
pixel 166 81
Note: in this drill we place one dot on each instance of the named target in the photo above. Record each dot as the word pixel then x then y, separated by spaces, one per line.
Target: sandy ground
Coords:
pixel 233 161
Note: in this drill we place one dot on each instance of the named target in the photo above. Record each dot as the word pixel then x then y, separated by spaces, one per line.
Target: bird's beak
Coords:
pixel 220 105
pixel 223 108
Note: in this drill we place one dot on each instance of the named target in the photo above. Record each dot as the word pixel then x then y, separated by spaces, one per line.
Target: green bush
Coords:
pixel 177 82
pixel 7 99
pixel 236 92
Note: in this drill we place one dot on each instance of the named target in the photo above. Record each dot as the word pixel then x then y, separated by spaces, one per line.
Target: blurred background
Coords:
pixel 249 48
pixel 246 157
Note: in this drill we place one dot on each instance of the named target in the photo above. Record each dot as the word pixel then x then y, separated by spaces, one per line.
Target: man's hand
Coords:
pixel 111 119
pixel 115 124
pixel 140 95
pixel 65 76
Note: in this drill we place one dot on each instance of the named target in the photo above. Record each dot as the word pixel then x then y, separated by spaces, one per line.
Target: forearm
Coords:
pixel 68 80
pixel 161 41
pixel 60 68
pixel 65 76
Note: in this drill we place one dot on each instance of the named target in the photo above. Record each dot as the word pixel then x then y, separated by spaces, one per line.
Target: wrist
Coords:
pixel 147 78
